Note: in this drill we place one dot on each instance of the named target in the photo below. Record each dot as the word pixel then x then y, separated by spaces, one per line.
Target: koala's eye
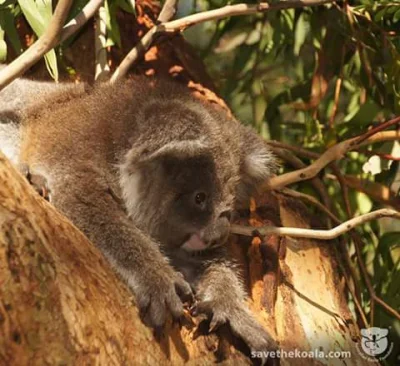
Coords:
pixel 200 198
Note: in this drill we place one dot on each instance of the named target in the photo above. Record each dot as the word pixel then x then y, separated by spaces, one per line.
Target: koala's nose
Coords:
pixel 218 231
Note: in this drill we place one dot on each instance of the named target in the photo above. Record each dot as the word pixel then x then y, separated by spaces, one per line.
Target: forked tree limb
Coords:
pixel 190 20
pixel 310 199
pixel 335 152
pixel 102 69
pixel 44 44
pixel 80 19
pixel 315 234
pixel 168 11
pixel 54 34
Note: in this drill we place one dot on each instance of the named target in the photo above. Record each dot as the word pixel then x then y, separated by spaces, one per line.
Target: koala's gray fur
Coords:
pixel 180 167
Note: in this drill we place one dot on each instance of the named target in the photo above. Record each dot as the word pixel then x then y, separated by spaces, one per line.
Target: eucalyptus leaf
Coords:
pixel 7 23
pixel 38 14
pixel 3 50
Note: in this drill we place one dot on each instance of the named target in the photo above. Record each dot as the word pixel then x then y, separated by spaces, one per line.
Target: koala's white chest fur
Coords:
pixel 10 141
pixel 130 185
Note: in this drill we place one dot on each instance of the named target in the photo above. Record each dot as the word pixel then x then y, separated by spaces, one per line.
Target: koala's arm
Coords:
pixel 86 199
pixel 221 296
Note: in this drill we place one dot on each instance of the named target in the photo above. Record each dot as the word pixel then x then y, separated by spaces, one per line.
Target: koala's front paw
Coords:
pixel 159 293
pixel 241 321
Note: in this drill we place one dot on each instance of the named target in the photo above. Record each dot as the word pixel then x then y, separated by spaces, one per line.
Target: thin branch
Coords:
pixel 296 163
pixel 235 10
pixel 344 188
pixel 133 55
pixel 310 199
pixel 379 128
pixel 102 69
pixel 336 152
pixel 44 44
pixel 387 307
pixel 75 24
pixel 168 11
pixel 378 192
pixel 381 155
pixel 215 14
pixel 296 149
pixel 315 234
pixel 51 38
pixel 380 137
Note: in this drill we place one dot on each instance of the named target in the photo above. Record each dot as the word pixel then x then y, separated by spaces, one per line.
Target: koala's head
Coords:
pixel 182 181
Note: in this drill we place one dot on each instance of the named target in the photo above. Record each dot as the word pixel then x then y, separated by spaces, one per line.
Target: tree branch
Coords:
pixel 168 11
pixel 379 128
pixel 315 234
pixel 336 152
pixel 296 163
pixel 54 35
pixel 381 155
pixel 102 69
pixel 312 200
pixel 74 24
pixel 378 192
pixel 44 44
pixel 186 22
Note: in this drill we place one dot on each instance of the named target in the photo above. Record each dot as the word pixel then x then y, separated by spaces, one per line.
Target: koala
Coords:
pixel 152 176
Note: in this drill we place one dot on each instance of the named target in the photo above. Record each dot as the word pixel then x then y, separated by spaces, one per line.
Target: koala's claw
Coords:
pixel 245 326
pixel 164 296
pixel 242 324
pixel 184 290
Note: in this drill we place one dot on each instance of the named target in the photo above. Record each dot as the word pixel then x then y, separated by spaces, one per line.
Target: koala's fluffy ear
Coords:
pixel 257 163
pixel 177 149
pixel 142 156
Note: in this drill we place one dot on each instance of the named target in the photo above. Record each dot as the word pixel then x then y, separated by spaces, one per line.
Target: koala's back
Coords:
pixel 102 123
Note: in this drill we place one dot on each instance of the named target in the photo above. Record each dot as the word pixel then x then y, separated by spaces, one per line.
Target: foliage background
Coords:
pixel 280 72
pixel 308 77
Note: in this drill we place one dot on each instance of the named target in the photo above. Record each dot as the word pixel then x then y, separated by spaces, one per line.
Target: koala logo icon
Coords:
pixel 374 340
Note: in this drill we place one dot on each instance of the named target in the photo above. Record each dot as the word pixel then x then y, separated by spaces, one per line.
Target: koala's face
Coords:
pixel 199 202
pixel 183 201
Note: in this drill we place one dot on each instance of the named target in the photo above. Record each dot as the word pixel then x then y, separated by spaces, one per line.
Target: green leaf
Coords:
pixel 33 16
pixel 38 15
pixel 7 23
pixel 387 243
pixel 365 114
pixel 392 9
pixel 380 15
pixel 6 3
pixel 128 6
pixel 113 34
pixel 3 48
pixel 302 29
pixel 396 16
pixel 76 7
